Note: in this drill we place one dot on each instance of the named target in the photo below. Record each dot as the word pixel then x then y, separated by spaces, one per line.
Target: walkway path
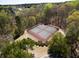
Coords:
pixel 39 52
pixel 26 35
pixel 62 32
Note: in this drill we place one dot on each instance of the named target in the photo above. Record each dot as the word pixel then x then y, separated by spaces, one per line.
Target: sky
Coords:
pixel 4 2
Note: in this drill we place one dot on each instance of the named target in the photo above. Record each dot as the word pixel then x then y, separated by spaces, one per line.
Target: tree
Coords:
pixel 73 32
pixel 21 26
pixel 7 26
pixel 48 7
pixel 15 50
pixel 29 42
pixel 47 14
pixel 26 42
pixel 58 46
pixel 73 17
pixel 5 23
pixel 72 37
pixel 74 4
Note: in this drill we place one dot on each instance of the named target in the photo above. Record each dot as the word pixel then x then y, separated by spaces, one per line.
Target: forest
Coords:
pixel 15 19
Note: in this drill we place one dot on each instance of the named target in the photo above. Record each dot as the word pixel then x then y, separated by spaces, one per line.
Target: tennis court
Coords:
pixel 42 32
